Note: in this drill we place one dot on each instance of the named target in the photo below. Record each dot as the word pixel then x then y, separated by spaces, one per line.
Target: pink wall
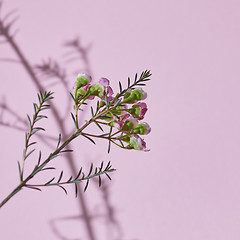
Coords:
pixel 188 186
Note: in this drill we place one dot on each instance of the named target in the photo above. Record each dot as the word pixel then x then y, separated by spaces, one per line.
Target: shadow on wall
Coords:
pixel 48 73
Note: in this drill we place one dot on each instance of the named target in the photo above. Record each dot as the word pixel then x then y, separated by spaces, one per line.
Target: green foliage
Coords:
pixel 42 98
pixel 80 177
pixel 144 77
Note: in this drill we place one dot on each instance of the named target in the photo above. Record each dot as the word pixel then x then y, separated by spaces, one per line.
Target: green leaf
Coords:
pixel 35 106
pixel 108 176
pixel 108 165
pixel 62 188
pixel 30 122
pixel 39 158
pixel 92 112
pixel 101 167
pixel 48 168
pixel 74 120
pixel 49 181
pixel 59 139
pixel 26 141
pixel 34 188
pixel 53 156
pixel 129 82
pixel 86 186
pixel 76 190
pixel 48 98
pixel 29 154
pixel 79 173
pixel 104 135
pixel 99 126
pixel 120 87
pixel 36 130
pixel 40 117
pixel 109 146
pixel 39 98
pixel 72 97
pixel 135 77
pixel 44 108
pixel 20 172
pixel 66 151
pixel 60 177
pixel 88 138
pixel 90 171
pixel 99 181
pixel 69 179
pixel 30 144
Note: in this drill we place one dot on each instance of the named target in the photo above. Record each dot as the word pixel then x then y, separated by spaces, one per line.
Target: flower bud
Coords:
pixel 107 90
pixel 96 90
pixel 129 125
pixel 104 82
pixel 84 91
pixel 137 143
pixel 134 95
pixel 82 80
pixel 138 110
pixel 142 129
pixel 125 123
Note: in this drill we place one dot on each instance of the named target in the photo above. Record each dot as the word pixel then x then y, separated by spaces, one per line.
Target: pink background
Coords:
pixel 188 186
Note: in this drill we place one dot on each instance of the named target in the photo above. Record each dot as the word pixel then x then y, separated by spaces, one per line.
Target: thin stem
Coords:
pixel 115 133
pixel 29 135
pixel 117 144
pixel 92 135
pixel 76 115
pixel 73 181
pixel 102 123
pixel 16 190
pixel 58 150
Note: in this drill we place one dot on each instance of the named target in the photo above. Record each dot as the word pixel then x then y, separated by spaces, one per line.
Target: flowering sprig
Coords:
pixel 120 114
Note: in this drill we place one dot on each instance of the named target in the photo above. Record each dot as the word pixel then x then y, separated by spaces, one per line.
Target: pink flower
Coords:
pixel 105 83
pixel 126 123
pixel 83 91
pixel 138 110
pixel 138 143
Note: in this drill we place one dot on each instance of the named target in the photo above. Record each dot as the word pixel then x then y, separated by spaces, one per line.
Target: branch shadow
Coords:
pixel 50 73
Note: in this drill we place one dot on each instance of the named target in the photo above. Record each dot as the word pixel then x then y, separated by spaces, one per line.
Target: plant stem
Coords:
pixel 58 150
pixel 16 190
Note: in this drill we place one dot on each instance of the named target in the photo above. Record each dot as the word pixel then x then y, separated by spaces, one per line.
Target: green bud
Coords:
pixel 134 96
pixel 82 80
pixel 142 129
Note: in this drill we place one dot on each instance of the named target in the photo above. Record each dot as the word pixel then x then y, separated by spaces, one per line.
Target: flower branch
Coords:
pixel 120 113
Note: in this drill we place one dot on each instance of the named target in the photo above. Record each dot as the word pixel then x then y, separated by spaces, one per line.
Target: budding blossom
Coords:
pixel 138 110
pixel 107 90
pixel 126 123
pixel 134 95
pixel 123 115
pixel 142 129
pixel 82 80
pixel 137 143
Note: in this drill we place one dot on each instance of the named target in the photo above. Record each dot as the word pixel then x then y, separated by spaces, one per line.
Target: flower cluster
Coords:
pixel 123 111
